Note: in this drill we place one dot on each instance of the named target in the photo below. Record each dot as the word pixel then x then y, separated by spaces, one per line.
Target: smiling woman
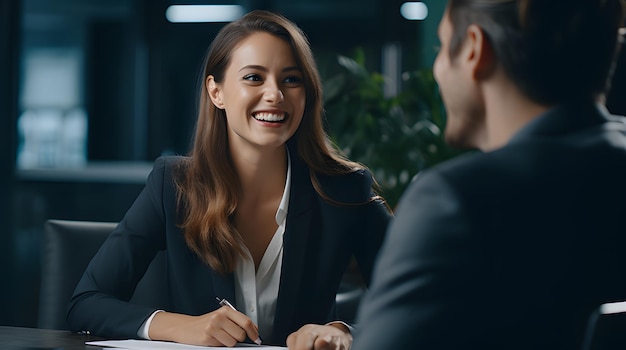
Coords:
pixel 262 94
pixel 264 211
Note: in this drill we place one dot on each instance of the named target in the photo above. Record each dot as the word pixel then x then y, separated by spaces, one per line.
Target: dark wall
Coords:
pixel 110 91
pixel 175 59
pixel 9 40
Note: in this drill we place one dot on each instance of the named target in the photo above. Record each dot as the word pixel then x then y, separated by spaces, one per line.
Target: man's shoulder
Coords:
pixel 466 166
pixel 483 172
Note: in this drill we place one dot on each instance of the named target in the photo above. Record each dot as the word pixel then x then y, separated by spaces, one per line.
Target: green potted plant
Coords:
pixel 396 136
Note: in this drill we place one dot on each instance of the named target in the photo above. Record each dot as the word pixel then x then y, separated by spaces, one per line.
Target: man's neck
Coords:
pixel 507 111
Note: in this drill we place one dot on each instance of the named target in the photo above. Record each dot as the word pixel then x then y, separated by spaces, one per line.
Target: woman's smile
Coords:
pixel 270 117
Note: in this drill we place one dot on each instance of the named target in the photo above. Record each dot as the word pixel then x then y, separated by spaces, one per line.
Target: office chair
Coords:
pixel 68 246
pixel 606 329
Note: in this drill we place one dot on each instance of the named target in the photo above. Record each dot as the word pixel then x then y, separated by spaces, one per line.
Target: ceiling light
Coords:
pixel 203 13
pixel 414 11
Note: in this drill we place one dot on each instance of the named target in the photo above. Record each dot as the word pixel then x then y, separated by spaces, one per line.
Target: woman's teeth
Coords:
pixel 269 117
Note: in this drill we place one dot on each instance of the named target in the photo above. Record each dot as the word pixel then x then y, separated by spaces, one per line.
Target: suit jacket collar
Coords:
pixel 563 119
pixel 297 231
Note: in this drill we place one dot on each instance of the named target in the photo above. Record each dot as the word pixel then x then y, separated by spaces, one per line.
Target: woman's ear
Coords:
pixel 215 93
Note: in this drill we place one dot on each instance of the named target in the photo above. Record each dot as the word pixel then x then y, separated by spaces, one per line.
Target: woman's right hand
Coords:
pixel 222 327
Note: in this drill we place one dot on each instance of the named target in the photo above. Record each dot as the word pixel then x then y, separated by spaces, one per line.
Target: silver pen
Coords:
pixel 224 302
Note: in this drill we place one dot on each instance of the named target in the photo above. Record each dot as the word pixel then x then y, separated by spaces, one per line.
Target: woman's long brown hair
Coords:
pixel 209 186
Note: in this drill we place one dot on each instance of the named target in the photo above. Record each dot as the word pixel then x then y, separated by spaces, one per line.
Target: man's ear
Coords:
pixel 215 93
pixel 480 54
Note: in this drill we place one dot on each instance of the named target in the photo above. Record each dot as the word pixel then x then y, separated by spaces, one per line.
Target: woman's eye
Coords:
pixel 252 77
pixel 293 80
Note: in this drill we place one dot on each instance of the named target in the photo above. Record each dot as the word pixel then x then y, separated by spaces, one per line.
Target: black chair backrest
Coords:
pixel 68 248
pixel 606 329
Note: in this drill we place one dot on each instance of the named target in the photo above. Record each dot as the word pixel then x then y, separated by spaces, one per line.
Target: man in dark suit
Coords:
pixel 514 246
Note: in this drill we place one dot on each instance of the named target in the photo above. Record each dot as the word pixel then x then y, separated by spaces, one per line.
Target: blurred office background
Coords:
pixel 92 91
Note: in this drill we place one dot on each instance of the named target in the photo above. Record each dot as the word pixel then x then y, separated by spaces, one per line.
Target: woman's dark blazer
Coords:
pixel 319 240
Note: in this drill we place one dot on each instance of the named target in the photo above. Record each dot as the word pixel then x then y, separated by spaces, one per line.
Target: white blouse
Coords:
pixel 256 294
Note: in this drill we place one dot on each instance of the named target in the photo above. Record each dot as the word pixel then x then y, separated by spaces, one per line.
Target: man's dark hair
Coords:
pixel 554 50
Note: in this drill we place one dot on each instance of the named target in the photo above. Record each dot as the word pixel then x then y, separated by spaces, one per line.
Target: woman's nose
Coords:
pixel 273 94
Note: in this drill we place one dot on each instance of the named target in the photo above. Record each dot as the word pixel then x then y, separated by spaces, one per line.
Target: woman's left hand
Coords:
pixel 320 337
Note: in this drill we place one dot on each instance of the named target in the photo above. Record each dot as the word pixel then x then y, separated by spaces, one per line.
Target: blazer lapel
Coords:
pixel 297 231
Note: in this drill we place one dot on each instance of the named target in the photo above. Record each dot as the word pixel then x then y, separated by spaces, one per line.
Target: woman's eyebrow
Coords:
pixel 264 69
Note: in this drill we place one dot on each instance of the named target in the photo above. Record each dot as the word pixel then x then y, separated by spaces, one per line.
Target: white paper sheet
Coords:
pixel 134 344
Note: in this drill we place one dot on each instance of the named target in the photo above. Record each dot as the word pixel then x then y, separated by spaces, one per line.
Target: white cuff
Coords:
pixel 143 330
pixel 350 328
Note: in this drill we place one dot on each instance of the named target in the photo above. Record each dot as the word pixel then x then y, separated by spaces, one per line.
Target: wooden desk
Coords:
pixel 18 338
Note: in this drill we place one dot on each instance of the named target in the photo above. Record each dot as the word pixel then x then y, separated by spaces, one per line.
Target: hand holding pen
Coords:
pixel 222 327
pixel 224 302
